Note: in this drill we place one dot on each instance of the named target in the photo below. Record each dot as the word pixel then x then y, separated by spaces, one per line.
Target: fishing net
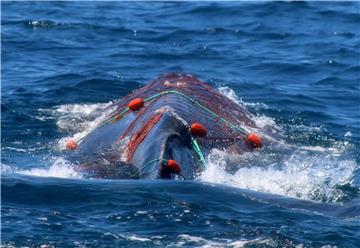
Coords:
pixel 188 98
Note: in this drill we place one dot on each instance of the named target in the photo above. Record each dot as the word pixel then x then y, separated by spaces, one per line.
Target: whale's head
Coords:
pixel 147 135
pixel 142 149
pixel 164 138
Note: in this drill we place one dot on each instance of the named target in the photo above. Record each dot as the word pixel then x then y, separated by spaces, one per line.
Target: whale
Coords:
pixel 164 130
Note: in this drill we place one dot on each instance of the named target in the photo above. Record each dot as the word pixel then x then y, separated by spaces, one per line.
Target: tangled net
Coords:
pixel 190 99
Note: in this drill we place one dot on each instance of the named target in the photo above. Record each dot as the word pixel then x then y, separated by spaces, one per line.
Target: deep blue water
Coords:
pixel 295 66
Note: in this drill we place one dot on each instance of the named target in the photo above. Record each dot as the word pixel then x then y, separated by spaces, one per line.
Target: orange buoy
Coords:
pixel 174 166
pixel 198 130
pixel 71 144
pixel 254 141
pixel 136 104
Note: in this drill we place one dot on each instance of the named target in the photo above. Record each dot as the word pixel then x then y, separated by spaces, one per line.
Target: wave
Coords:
pixel 310 177
pixel 311 172
pixel 303 171
pixel 60 168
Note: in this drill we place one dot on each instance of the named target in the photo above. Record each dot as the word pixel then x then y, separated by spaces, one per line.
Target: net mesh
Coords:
pixel 191 93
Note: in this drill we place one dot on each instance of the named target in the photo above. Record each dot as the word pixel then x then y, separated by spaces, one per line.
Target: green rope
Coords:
pixel 186 97
pixel 196 148
pixel 194 143
pixel 200 105
pixel 113 118
pixel 104 123
pixel 147 164
pixel 198 151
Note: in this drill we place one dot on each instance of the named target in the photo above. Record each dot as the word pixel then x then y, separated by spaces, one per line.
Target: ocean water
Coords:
pixel 294 65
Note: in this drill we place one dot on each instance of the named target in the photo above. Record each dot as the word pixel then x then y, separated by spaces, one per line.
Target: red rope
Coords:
pixel 140 135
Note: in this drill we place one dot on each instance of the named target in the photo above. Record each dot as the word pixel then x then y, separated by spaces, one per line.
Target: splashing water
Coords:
pixel 312 177
pixel 307 172
pixel 282 74
pixel 60 168
pixel 230 93
pixel 79 118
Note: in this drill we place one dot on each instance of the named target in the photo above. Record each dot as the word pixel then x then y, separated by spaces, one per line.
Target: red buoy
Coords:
pixel 174 166
pixel 198 130
pixel 254 141
pixel 71 144
pixel 136 104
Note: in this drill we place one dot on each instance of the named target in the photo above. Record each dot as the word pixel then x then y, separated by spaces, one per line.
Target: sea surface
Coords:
pixel 294 65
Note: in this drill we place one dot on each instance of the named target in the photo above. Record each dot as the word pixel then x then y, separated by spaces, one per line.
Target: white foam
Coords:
pixel 61 169
pixel 308 172
pixel 77 117
pixel 189 240
pixel 80 119
pixel 15 149
pixel 348 134
pixel 86 109
pixel 6 168
pixel 134 237
pixel 299 174
pixel 27 150
pixel 263 121
pixel 230 93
